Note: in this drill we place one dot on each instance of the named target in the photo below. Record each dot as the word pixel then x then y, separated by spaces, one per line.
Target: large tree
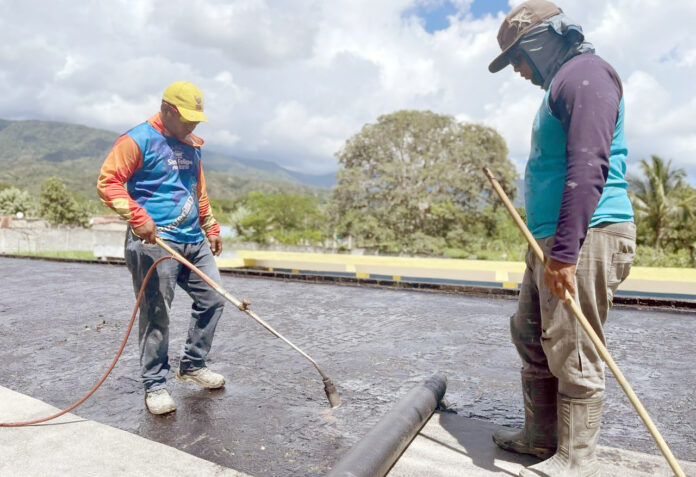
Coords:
pixel 285 218
pixel 58 204
pixel 662 200
pixel 409 181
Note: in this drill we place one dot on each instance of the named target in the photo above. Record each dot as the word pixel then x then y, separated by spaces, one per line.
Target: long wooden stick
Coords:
pixel 570 301
pixel 243 305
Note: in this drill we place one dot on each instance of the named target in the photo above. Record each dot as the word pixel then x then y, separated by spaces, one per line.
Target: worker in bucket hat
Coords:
pixel 153 177
pixel 579 212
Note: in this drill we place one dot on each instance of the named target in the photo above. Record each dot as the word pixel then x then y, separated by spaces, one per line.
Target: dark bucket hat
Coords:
pixel 519 21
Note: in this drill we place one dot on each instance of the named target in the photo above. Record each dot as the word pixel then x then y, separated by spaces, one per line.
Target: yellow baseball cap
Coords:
pixel 187 98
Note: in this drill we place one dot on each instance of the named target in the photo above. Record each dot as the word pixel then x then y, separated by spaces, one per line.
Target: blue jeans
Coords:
pixel 154 307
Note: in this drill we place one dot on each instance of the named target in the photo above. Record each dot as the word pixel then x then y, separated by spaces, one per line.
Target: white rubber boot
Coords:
pixel 578 432
pixel 159 402
pixel 538 437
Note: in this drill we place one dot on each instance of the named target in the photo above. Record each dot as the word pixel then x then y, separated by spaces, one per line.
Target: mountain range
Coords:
pixel 32 150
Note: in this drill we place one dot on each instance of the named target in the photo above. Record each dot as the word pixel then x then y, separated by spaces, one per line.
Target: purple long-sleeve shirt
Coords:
pixel 585 96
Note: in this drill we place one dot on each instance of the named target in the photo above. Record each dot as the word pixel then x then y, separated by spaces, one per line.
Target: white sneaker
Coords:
pixel 159 402
pixel 204 377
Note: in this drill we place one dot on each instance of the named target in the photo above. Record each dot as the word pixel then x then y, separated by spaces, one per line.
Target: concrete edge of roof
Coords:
pixel 482 289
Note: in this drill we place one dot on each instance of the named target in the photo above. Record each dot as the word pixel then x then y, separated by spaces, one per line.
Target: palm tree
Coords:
pixel 658 200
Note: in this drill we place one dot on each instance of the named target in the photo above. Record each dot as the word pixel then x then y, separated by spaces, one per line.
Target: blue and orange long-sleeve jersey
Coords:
pixel 148 175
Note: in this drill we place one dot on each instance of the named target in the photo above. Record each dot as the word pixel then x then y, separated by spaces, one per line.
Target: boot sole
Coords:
pixel 168 411
pixel 539 452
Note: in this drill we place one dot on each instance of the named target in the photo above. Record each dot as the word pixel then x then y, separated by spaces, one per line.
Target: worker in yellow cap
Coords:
pixel 153 178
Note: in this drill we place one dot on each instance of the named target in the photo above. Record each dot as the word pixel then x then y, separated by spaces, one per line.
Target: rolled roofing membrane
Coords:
pixel 377 452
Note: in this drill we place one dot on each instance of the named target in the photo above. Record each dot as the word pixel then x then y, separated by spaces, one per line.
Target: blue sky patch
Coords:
pixel 435 13
pixel 671 55
pixel 481 7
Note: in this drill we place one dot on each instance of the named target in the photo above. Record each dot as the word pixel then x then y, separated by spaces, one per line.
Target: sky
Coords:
pixel 291 80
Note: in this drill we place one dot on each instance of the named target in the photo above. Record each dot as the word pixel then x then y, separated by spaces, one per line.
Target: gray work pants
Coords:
pixel 154 307
pixel 548 336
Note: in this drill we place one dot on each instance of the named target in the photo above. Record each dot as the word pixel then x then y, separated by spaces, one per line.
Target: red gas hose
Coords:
pixel 113 363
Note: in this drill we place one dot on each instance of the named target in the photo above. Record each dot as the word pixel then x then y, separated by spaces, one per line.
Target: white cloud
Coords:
pixel 320 135
pixel 250 32
pixel 658 113
pixel 110 111
pixel 291 81
pixel 226 138
pixel 514 119
pixel 72 64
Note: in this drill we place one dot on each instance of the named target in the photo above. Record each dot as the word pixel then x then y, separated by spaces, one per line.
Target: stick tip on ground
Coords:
pixel 332 394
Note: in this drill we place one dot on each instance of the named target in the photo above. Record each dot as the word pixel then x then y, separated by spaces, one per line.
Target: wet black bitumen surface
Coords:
pixel 62 323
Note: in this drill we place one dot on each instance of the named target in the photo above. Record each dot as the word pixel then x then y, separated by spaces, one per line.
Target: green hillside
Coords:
pixel 49 141
pixel 31 151
pixel 229 186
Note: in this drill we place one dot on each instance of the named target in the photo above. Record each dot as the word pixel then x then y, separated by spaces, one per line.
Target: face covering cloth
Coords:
pixel 550 44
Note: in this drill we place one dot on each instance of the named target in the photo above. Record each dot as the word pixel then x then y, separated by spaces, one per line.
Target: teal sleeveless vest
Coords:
pixel 166 185
pixel 544 178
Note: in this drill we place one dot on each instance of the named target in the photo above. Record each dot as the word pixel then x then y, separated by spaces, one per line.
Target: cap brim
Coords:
pixel 501 61
pixel 192 115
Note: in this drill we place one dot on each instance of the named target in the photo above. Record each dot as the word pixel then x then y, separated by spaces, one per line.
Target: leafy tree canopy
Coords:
pixel 285 218
pixel 409 180
pixel 58 205
pixel 13 200
pixel 663 204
